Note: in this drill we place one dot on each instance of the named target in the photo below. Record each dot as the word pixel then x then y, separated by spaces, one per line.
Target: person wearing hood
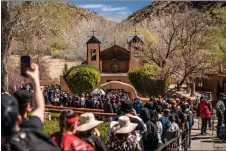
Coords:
pixel 151 134
pixel 204 115
pixel 165 124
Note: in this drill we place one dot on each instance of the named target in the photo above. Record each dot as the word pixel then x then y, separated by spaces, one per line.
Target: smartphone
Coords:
pixel 25 62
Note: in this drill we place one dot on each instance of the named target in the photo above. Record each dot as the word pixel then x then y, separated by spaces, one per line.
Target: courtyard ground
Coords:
pixel 207 142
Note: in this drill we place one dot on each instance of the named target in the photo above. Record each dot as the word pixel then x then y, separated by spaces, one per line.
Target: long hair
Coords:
pixel 63 124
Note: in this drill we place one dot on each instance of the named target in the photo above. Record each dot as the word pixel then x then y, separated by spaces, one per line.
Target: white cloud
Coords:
pixel 118 16
pixel 104 8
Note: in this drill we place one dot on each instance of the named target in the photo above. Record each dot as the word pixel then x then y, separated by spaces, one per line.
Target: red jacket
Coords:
pixel 204 110
pixel 71 143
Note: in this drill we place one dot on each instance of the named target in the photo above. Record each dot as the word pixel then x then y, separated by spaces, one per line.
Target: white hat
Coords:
pixel 123 125
pixel 87 122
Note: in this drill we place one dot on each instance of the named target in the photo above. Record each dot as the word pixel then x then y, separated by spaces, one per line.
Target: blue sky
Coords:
pixel 113 10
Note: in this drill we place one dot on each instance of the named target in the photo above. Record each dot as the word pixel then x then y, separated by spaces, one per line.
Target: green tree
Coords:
pixel 219 16
pixel 145 80
pixel 82 78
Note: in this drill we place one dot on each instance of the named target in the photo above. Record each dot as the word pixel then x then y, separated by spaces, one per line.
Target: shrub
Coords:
pixel 146 82
pixel 82 78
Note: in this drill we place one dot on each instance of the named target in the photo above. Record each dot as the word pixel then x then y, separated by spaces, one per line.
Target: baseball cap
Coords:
pixel 9 111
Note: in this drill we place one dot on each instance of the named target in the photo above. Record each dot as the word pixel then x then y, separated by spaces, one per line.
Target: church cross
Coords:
pixel 93 31
pixel 135 31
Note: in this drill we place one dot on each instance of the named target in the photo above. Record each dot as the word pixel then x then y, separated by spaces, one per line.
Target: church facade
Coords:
pixel 114 62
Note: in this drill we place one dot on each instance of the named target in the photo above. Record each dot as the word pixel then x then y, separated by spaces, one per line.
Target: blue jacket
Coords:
pixel 137 106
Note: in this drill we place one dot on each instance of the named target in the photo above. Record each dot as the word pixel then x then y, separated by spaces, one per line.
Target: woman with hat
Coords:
pixel 66 139
pixel 121 138
pixel 88 132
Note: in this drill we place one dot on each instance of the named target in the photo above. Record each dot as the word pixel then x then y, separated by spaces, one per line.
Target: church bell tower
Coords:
pixel 93 50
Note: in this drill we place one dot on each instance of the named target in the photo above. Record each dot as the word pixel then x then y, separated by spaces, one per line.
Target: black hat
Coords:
pixel 126 106
pixel 9 111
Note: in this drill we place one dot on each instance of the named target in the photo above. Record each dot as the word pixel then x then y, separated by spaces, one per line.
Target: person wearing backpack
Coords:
pixel 165 124
pixel 13 136
pixel 151 134
pixel 88 132
pixel 66 138
pixel 190 122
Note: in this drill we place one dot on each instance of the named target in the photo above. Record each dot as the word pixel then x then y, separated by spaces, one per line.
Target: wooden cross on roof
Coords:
pixel 135 31
pixel 93 31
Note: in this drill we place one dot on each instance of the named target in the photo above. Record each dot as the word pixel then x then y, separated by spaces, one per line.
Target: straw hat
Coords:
pixel 87 122
pixel 123 125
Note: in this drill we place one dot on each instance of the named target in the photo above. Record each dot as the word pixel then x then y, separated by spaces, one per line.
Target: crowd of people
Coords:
pixel 136 126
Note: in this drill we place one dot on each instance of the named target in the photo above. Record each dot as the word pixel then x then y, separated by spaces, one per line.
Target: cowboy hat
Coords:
pixel 87 122
pixel 123 125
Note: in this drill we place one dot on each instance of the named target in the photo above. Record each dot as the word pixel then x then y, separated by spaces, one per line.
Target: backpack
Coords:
pixel 29 140
pixel 189 119
pixel 91 141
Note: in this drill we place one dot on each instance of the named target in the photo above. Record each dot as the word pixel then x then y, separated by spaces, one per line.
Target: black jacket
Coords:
pixel 108 107
pixel 150 137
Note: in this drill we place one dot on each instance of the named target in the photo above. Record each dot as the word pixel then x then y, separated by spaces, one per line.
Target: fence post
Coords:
pixel 198 122
pixel 186 140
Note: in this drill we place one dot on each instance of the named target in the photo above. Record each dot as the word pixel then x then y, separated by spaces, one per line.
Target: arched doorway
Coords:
pixel 117 85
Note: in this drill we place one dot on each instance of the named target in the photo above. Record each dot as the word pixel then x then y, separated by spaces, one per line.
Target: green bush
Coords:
pixel 51 127
pixel 82 78
pixel 146 82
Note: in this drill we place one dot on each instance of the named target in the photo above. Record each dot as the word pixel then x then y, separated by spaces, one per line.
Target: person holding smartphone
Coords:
pixel 36 111
pixel 26 137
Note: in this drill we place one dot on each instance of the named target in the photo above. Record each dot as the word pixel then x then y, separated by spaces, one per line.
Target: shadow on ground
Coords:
pixel 215 141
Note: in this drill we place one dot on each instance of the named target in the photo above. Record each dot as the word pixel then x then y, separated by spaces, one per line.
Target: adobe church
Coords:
pixel 114 62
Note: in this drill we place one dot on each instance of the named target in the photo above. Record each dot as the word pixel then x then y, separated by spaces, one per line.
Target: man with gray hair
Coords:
pixel 220 108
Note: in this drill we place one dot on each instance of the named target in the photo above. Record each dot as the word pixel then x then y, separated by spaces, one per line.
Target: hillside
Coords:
pixel 161 8
pixel 57 29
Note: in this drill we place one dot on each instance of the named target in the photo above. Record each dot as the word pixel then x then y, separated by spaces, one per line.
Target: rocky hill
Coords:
pixel 161 8
pixel 57 29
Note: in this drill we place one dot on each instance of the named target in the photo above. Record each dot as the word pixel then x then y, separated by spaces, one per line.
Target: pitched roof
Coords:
pixel 131 37
pixel 116 52
pixel 93 39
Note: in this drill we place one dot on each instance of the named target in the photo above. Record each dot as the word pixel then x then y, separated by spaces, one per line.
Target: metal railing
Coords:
pixel 177 143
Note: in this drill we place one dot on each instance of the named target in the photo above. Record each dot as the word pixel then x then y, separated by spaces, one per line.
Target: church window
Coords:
pixel 93 55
